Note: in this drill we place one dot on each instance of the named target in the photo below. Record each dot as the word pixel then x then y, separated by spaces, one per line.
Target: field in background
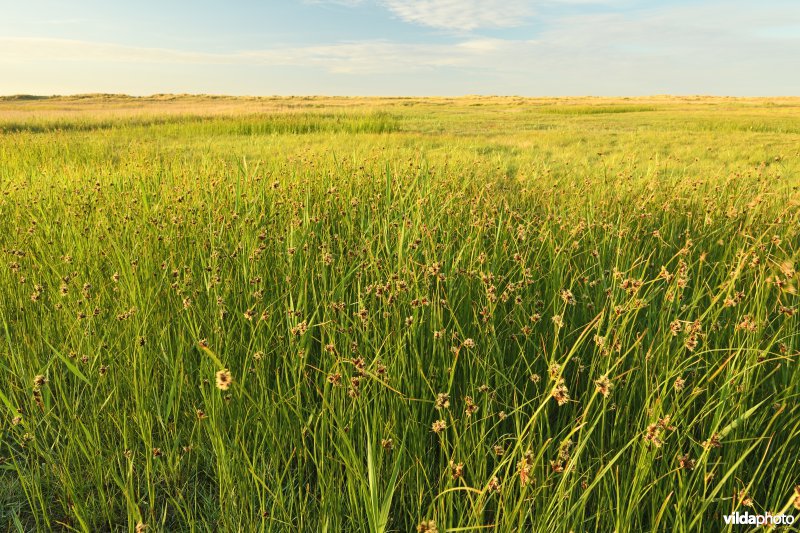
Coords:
pixel 498 313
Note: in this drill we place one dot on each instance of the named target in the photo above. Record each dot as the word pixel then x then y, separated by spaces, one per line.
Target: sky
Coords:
pixel 401 47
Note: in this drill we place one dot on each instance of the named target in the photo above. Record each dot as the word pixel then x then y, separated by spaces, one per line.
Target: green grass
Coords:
pixel 297 124
pixel 348 261
pixel 596 109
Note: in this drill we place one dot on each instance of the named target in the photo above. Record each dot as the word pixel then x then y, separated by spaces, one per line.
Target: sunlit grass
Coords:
pixel 490 316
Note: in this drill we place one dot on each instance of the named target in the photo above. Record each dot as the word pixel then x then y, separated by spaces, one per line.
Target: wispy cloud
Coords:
pixel 462 14
pixel 352 57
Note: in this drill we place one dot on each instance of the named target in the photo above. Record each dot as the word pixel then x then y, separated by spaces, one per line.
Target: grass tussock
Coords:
pixel 595 110
pixel 284 123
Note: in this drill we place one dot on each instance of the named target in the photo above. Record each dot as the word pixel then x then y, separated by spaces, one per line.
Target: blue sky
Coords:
pixel 401 47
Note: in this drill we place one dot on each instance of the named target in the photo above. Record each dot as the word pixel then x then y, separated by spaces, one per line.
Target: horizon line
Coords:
pixel 32 96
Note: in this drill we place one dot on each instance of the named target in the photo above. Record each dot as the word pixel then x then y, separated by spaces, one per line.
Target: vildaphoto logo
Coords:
pixel 742 519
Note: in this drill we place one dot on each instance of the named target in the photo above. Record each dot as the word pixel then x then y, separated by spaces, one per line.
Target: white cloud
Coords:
pixel 348 57
pixel 463 15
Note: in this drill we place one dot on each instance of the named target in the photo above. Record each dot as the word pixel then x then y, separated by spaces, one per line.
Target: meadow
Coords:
pixel 358 314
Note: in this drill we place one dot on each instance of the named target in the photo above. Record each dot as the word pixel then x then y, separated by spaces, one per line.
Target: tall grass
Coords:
pixel 548 330
pixel 595 109
pixel 266 124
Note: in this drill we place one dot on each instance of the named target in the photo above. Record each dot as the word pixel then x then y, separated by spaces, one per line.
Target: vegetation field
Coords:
pixel 343 314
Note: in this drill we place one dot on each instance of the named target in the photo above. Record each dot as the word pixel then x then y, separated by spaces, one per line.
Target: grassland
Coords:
pixel 465 314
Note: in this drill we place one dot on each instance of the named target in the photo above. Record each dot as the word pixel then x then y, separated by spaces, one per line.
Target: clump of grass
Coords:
pixel 266 124
pixel 369 327
pixel 594 110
